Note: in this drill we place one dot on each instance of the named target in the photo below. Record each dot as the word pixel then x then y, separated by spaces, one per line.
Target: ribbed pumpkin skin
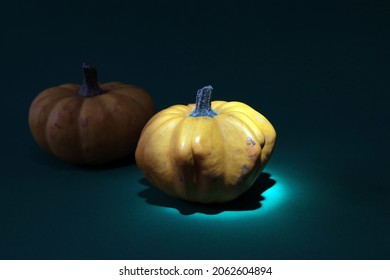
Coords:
pixel 90 130
pixel 205 159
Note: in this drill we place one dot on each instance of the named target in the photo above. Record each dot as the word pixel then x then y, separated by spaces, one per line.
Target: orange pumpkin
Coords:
pixel 91 123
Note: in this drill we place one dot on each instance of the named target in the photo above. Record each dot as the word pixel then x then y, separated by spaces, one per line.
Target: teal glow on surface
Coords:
pixel 271 202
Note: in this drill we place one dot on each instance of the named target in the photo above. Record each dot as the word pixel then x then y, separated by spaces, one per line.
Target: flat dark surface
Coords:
pixel 319 71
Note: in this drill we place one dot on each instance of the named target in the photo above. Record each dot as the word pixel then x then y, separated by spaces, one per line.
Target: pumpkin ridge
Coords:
pixel 235 158
pixel 267 131
pixel 217 104
pixel 150 135
pixel 235 107
pixel 255 134
pixel 130 99
pixel 54 110
pixel 46 100
pixel 181 110
pixel 99 106
pixel 159 153
pixel 127 99
pixel 222 123
pixel 155 120
pixel 83 120
pixel 206 160
pixel 222 135
pixel 45 127
pixel 128 107
pixel 195 165
pixel 78 135
pixel 182 192
pixel 53 97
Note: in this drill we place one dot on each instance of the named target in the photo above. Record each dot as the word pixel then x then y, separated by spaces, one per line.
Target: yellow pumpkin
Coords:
pixel 205 152
pixel 91 123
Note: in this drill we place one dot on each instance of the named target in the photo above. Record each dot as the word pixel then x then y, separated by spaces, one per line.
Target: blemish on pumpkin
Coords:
pixel 245 169
pixel 250 141
pixel 253 156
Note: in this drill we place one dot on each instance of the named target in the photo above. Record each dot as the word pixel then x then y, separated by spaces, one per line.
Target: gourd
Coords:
pixel 90 123
pixel 205 152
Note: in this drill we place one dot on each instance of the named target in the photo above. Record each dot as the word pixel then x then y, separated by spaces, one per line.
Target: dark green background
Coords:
pixel 319 71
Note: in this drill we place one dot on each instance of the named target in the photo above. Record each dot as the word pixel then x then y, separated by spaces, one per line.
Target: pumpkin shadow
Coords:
pixel 119 163
pixel 250 200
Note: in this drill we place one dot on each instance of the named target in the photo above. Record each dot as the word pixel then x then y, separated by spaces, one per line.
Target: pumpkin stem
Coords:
pixel 203 103
pixel 90 86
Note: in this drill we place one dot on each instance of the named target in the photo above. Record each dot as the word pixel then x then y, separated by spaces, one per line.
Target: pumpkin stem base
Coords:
pixel 203 103
pixel 90 86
